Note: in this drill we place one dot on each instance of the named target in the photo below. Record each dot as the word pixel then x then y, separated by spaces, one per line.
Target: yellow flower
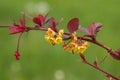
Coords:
pixel 54 38
pixel 51 40
pixel 76 47
pixel 71 47
pixel 86 44
pixel 81 48
pixel 59 40
pixel 60 33
pixel 74 38
pixel 50 32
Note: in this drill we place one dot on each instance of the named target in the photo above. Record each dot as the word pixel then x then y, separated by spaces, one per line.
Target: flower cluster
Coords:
pixel 54 38
pixel 76 46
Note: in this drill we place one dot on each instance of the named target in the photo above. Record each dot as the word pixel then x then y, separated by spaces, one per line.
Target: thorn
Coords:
pixel 104 58
pixel 95 63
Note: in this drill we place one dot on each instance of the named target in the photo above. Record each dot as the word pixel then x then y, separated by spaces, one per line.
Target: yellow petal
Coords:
pixel 74 38
pixel 59 40
pixel 50 32
pixel 61 32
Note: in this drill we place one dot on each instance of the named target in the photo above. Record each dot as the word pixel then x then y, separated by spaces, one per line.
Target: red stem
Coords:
pixel 18 44
pixel 101 70
pixel 95 42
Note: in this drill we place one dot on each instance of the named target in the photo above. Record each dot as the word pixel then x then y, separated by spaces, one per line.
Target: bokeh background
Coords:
pixel 40 60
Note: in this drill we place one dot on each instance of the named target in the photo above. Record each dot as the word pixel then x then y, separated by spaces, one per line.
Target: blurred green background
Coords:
pixel 40 60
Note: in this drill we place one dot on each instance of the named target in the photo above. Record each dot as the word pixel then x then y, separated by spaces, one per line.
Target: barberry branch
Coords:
pixel 76 44
pixel 3 26
pixel 79 37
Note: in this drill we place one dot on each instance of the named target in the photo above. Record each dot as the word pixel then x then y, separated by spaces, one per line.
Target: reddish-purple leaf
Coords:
pixel 22 21
pixel 73 25
pixel 40 19
pixel 98 27
pixel 85 30
pixel 52 24
pixel 92 29
pixel 37 21
pixel 118 51
pixel 16 29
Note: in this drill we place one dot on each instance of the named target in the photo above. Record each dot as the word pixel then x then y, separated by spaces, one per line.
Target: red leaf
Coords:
pixel 98 27
pixel 118 51
pixel 92 29
pixel 73 25
pixel 36 20
pixel 52 24
pixel 22 22
pixel 40 19
pixel 85 30
pixel 16 29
